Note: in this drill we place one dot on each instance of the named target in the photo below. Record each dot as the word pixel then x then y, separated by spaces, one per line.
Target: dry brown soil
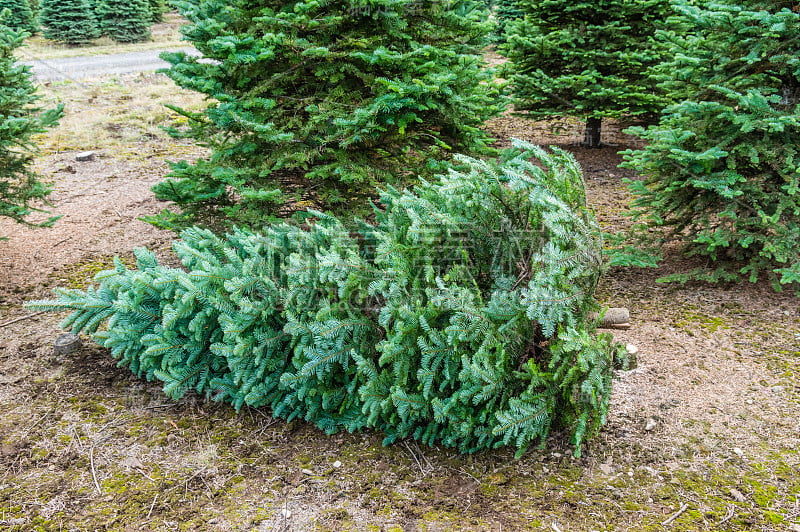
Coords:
pixel 702 435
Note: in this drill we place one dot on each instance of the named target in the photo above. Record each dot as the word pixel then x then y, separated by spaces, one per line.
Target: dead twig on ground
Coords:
pixel 414 456
pixel 152 506
pixel 21 318
pixel 676 515
pixel 728 515
pixel 94 473
pixel 42 418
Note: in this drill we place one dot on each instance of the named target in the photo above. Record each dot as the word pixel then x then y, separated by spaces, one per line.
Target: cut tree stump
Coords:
pixel 615 318
pixel 66 344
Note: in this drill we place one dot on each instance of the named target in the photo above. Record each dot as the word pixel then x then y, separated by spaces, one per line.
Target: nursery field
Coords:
pixel 702 435
pixel 164 35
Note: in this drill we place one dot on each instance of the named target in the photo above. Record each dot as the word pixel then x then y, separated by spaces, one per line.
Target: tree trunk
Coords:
pixel 592 134
pixel 789 93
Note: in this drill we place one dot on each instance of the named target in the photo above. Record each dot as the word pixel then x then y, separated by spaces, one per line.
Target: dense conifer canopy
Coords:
pixel 325 99
pixel 69 21
pixel 722 169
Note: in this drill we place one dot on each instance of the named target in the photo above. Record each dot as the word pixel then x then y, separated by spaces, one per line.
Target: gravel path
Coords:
pixel 75 68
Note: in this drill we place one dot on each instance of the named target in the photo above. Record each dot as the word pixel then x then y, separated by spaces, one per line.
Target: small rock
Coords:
pixel 738 451
pixel 7 449
pixel 286 513
pixel 749 401
pixel 650 425
pixel 337 464
pixel 737 495
pixel 306 472
pixel 85 156
pixel 557 455
pixel 631 349
pixel 607 469
pixel 497 479
pixel 777 389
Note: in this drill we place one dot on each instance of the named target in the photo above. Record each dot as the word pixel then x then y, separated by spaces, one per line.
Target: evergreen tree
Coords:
pixel 157 10
pixel 69 21
pixel 335 96
pixel 20 15
pixel 585 59
pixel 504 12
pixel 722 168
pixel 20 120
pixel 460 316
pixel 125 21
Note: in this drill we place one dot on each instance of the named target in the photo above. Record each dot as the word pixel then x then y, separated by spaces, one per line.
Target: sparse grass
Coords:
pixel 163 35
pixel 123 116
pixel 81 275
pixel 195 464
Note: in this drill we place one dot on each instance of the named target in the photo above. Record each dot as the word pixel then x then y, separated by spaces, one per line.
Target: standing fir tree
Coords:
pixel 722 168
pixel 504 12
pixel 157 10
pixel 20 120
pixel 332 95
pixel 69 21
pixel 585 59
pixel 20 15
pixel 125 21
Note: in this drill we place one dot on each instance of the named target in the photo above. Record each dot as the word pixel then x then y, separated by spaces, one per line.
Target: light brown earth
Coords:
pixel 703 435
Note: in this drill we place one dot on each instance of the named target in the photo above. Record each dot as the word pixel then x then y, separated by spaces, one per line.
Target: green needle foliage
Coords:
pixel 460 316
pixel 157 10
pixel 505 11
pixel 329 97
pixel 125 21
pixel 20 120
pixel 69 21
pixel 586 59
pixel 20 16
pixel 722 169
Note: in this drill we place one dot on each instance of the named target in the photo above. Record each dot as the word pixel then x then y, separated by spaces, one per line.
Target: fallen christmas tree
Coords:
pixel 460 316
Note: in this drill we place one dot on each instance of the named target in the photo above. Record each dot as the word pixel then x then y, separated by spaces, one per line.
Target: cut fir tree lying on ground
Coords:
pixel 460 317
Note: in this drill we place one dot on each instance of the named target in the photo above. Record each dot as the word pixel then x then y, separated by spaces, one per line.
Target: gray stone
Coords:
pixel 85 156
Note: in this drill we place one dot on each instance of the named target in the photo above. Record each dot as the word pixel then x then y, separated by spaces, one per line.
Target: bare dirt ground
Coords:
pixel 702 435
